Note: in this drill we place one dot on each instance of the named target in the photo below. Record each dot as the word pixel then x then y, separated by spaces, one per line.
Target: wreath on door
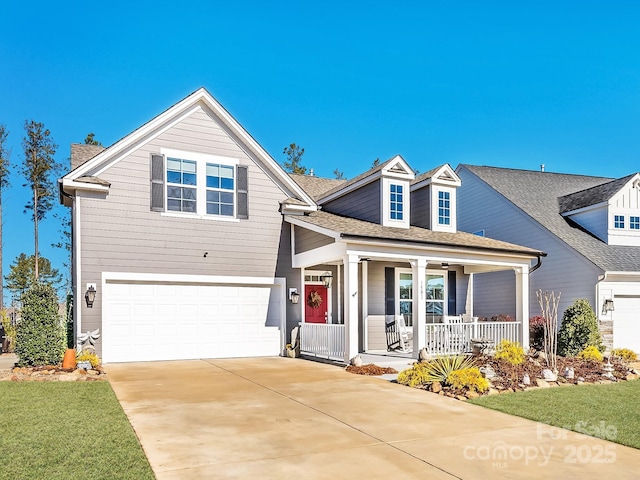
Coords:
pixel 314 300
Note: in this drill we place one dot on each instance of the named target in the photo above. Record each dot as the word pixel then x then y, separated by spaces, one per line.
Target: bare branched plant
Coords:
pixel 549 307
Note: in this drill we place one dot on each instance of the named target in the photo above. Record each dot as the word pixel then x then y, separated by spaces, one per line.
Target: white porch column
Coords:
pixel 365 304
pixel 418 270
pixel 522 302
pixel 350 306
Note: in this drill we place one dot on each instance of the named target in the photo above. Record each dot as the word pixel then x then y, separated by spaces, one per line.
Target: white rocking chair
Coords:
pixel 405 333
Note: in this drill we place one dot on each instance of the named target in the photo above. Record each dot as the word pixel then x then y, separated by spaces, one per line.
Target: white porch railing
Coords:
pixel 324 340
pixel 455 338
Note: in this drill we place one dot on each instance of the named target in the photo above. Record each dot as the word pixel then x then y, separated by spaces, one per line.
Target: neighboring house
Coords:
pixel 588 226
pixel 197 244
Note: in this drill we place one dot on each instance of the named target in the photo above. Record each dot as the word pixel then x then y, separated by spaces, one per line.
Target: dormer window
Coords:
pixel 618 221
pixel 444 208
pixel 396 200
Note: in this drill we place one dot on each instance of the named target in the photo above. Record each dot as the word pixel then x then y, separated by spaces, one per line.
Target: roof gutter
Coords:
pixel 537 265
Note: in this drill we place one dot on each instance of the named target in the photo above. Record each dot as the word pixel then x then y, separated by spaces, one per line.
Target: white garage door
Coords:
pixel 626 323
pixel 146 321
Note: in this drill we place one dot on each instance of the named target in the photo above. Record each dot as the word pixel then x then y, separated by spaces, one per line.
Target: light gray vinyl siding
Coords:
pixel 306 240
pixel 594 221
pixel 563 270
pixel 120 234
pixel 363 203
pixel 421 207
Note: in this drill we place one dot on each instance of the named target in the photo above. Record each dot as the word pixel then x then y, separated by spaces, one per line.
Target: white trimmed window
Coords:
pixel 618 221
pixel 396 202
pixel 198 185
pixel 634 223
pixel 444 208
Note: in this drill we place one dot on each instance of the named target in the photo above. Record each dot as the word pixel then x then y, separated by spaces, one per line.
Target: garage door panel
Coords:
pixel 626 323
pixel 146 322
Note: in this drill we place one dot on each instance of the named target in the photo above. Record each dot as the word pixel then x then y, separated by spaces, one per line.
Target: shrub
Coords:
pixel 88 356
pixel 9 331
pixel 502 317
pixel 40 333
pixel 436 370
pixel 470 378
pixel 591 354
pixel 536 332
pixel 579 329
pixel 624 354
pixel 512 352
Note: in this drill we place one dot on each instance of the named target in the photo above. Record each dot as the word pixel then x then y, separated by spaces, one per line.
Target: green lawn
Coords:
pixel 58 430
pixel 604 411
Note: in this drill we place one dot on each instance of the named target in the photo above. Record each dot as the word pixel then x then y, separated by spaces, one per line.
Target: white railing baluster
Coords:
pixel 322 340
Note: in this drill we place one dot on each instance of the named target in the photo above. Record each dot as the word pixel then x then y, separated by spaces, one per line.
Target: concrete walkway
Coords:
pixel 290 418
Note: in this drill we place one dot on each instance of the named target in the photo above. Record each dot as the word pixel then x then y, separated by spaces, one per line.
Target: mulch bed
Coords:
pixel 370 369
pixel 52 373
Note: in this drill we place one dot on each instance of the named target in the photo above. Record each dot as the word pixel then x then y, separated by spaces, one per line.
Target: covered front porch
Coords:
pixel 353 288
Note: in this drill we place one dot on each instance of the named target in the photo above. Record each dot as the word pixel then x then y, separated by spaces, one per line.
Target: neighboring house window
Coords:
pixel 220 189
pixel 181 185
pixel 618 221
pixel 444 208
pixel 396 202
pixel 634 223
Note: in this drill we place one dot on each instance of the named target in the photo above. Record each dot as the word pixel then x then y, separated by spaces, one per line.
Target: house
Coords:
pixel 190 241
pixel 588 226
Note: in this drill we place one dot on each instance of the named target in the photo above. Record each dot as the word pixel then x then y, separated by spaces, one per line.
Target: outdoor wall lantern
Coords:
pixel 294 296
pixel 607 306
pixel 445 266
pixel 326 278
pixel 90 295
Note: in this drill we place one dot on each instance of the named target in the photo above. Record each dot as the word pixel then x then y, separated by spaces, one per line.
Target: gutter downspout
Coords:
pixel 537 265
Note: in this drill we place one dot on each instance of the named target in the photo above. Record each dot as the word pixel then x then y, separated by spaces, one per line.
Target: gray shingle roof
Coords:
pixel 538 193
pixel 316 186
pixel 592 196
pixel 351 227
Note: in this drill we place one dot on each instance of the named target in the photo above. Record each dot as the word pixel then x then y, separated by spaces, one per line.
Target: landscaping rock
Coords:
pixel 93 372
pixel 68 377
pixel 542 383
pixel 461 397
pixel 436 387
pixel 632 376
pixel 441 392
pixel 488 372
pixel 549 375
pixel 493 391
pixel 472 394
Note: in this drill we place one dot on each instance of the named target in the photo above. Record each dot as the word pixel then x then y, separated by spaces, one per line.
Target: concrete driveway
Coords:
pixel 290 418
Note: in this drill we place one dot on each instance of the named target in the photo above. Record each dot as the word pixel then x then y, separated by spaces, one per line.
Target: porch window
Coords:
pixel 435 295
pixel 618 221
pixel 405 284
pixel 634 223
pixel 444 208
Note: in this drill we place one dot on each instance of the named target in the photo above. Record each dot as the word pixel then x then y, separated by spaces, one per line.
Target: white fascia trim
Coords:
pixel 91 187
pixel 298 208
pixel 456 182
pixel 314 228
pixel 619 273
pixel 108 277
pixel 445 252
pixel 586 209
pixel 77 266
pixel 320 255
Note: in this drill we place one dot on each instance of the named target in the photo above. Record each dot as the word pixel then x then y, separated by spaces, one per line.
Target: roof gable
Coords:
pixel 594 195
pixel 442 175
pixel 200 99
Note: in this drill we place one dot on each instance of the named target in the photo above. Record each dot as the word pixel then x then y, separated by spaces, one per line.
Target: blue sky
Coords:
pixel 488 83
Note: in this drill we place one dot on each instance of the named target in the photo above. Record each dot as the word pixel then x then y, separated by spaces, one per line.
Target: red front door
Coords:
pixel 315 300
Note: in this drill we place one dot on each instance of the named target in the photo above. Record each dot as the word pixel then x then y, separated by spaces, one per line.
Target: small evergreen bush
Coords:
pixel 591 354
pixel 579 329
pixel 41 333
pixel 512 352
pixel 624 354
pixel 469 378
